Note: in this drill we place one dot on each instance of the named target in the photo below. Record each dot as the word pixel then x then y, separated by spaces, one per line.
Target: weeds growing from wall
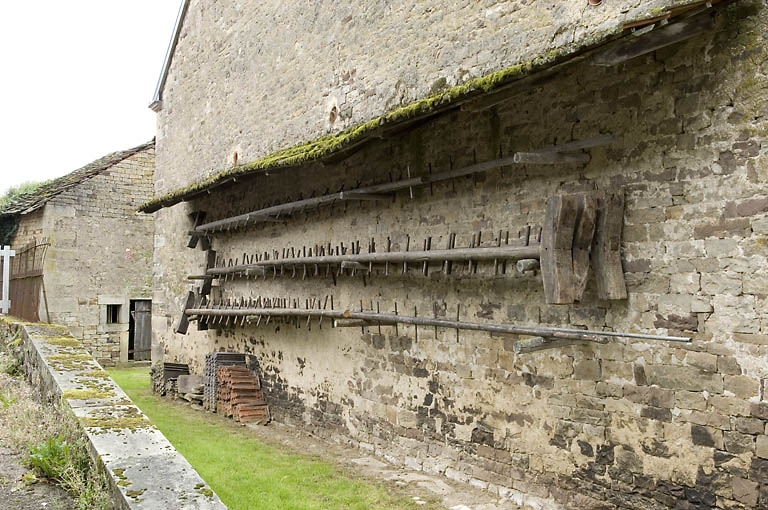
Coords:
pixel 50 437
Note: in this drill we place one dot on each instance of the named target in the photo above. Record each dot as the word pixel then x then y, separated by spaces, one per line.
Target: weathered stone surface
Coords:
pixel 736 442
pixel 131 451
pixel 684 378
pixel 760 410
pixel 706 436
pixel 761 447
pixel 749 426
pixel 745 491
pixel 688 120
pixel 705 361
pixel 99 249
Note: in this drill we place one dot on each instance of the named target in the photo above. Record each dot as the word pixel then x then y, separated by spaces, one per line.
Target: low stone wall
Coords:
pixel 144 470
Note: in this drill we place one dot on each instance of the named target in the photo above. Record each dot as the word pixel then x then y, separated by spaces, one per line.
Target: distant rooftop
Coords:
pixel 29 202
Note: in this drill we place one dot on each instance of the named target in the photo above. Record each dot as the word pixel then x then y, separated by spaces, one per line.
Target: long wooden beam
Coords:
pixel 458 254
pixel 556 154
pixel 384 318
pixel 657 38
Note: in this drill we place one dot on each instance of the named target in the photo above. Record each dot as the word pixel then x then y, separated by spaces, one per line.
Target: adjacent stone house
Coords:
pixel 84 253
pixel 356 165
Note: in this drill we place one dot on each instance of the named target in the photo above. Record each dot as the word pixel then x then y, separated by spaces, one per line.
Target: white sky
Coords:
pixel 77 79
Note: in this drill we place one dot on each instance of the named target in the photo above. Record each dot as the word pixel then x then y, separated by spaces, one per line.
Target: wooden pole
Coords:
pixel 349 260
pixel 373 317
pixel 558 154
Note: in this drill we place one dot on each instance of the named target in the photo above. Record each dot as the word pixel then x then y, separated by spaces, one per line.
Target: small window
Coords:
pixel 113 314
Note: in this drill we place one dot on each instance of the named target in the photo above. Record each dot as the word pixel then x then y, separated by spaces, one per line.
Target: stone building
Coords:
pixel 84 253
pixel 294 140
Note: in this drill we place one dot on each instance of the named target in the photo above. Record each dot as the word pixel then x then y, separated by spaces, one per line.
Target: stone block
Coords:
pixel 759 410
pixel 617 371
pixel 745 491
pixel 750 338
pixel 711 419
pixel 741 386
pixel 749 425
pixel 605 389
pixel 690 400
pixel 656 413
pixel 728 365
pixel 721 283
pixel 684 378
pixel 761 446
pixel 755 284
pixel 706 436
pixel 705 361
pixel 588 369
pixel 729 406
pixel 737 443
pixel 758 470
pixel 685 283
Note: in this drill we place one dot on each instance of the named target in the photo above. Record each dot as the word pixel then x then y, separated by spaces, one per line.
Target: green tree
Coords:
pixel 14 192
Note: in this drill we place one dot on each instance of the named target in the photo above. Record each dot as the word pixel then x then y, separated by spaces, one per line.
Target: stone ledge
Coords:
pixel 131 451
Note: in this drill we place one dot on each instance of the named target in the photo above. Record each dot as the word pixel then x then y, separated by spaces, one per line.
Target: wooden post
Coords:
pixel 606 253
pixel 557 249
pixel 582 242
pixel 6 253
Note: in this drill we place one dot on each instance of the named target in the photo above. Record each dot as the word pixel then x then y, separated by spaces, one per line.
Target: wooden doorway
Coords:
pixel 140 330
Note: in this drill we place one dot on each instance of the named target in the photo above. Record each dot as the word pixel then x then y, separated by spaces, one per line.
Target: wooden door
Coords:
pixel 142 339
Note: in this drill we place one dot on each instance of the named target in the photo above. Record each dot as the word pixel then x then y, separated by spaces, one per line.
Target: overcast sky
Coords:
pixel 77 79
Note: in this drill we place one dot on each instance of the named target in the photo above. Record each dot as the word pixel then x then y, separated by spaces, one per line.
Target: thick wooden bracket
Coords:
pixel 183 324
pixel 198 218
pixel 576 228
pixel 557 248
pixel 606 251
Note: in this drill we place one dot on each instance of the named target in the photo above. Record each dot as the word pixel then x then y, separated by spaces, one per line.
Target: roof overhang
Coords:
pixel 628 40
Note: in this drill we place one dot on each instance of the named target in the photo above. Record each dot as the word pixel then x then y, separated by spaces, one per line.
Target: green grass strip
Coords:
pixel 245 472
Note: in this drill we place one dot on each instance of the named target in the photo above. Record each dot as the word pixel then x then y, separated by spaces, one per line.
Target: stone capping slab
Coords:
pixel 144 470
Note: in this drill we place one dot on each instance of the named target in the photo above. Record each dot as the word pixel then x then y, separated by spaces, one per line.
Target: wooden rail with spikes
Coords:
pixel 576 228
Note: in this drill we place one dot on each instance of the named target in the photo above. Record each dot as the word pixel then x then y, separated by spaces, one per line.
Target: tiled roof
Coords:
pixel 29 202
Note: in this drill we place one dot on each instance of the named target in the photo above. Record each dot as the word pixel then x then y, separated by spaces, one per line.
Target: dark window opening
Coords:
pixel 113 314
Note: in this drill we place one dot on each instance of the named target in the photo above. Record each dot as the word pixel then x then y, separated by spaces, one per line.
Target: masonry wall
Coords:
pixel 630 424
pixel 302 61
pixel 30 229
pixel 101 253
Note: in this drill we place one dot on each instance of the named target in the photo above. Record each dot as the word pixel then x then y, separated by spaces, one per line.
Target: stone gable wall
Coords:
pixel 629 424
pixel 100 253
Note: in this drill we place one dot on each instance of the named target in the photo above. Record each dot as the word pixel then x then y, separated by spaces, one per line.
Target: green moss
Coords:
pixel 124 483
pixel 314 150
pixel 86 394
pixel 95 374
pixel 68 362
pixel 64 341
pixel 69 357
pixel 135 493
pixel 201 489
pixel 119 473
pixel 124 419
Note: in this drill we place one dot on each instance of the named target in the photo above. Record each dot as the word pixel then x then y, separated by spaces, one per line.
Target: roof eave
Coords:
pixel 157 101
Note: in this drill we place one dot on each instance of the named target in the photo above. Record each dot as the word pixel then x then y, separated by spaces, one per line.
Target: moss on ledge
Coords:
pixel 315 150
